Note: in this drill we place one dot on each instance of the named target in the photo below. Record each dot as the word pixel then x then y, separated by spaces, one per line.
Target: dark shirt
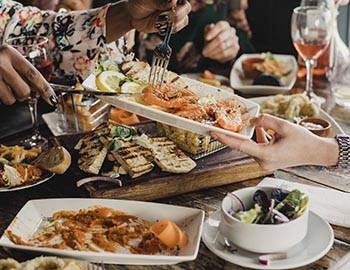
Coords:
pixel 270 21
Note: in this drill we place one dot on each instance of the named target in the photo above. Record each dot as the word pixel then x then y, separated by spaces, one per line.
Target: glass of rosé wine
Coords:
pixel 36 49
pixel 311 29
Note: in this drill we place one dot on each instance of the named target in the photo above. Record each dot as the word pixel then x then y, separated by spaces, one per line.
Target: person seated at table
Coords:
pixel 77 38
pixel 208 42
pixel 291 145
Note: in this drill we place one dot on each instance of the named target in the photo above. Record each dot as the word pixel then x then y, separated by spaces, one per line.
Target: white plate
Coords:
pixel 336 128
pixel 29 218
pixel 176 121
pixel 48 177
pixel 315 245
pixel 245 86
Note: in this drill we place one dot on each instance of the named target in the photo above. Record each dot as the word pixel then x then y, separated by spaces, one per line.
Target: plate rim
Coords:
pixel 212 248
pixel 4 190
pixel 254 88
pixel 5 241
pixel 121 102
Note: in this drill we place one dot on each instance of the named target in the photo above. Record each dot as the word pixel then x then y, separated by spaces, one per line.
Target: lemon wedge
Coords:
pixel 108 81
pixel 131 88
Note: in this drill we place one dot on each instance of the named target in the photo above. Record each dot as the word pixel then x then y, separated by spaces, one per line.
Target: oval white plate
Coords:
pixel 316 244
pixel 245 86
pixel 48 177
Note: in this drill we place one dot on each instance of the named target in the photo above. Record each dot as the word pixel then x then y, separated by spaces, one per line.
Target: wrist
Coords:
pixel 327 152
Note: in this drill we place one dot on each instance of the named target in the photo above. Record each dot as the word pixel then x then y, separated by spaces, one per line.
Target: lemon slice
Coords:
pixel 131 88
pixel 108 81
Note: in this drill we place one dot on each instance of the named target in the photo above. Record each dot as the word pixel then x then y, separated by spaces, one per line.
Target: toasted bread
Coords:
pixel 169 157
pixel 56 160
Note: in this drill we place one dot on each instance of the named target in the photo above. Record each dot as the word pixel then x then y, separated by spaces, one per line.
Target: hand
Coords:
pixel 221 42
pixel 342 2
pixel 291 145
pixel 146 13
pixel 17 76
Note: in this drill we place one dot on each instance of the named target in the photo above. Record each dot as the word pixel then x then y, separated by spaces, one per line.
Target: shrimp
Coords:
pixel 193 111
pixel 228 114
pixel 168 96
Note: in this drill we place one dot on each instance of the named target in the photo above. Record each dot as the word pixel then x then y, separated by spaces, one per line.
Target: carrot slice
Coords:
pixel 167 232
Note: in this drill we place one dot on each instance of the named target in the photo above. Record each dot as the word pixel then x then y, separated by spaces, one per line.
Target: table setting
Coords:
pixel 127 170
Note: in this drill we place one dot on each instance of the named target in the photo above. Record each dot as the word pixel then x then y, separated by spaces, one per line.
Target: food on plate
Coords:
pixel 183 102
pixel 189 141
pixel 280 207
pixel 102 229
pixel 267 64
pixel 56 160
pixel 92 151
pixel 209 78
pixel 135 159
pixel 169 233
pixel 290 107
pixel 317 126
pixel 130 153
pixel 266 79
pixel 43 263
pixel 16 168
pixel 169 157
pixel 119 116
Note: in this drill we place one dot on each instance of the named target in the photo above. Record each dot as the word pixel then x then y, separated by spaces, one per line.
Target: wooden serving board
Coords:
pixel 221 168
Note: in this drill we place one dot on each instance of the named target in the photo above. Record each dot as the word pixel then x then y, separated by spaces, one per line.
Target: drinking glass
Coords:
pixel 36 50
pixel 311 29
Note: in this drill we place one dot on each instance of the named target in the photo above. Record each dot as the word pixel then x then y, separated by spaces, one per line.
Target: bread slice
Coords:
pixel 169 157
pixel 56 160
pixel 93 152
pixel 134 159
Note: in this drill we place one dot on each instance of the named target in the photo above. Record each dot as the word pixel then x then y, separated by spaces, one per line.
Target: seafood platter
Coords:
pixel 179 102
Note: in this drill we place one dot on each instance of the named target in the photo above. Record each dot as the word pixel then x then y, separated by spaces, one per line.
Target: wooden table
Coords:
pixel 207 200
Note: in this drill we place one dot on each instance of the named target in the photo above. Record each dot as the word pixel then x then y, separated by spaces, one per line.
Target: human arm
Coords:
pixel 18 77
pixel 291 145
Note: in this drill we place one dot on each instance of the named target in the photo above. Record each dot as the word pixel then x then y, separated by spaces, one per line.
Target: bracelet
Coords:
pixel 344 151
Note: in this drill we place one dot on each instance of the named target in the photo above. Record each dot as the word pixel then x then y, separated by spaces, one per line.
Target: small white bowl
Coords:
pixel 259 238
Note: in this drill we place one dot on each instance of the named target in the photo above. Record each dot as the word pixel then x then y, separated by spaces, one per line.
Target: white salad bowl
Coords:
pixel 259 238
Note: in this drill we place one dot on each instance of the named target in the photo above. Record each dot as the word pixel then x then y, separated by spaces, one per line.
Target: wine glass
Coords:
pixel 311 29
pixel 36 50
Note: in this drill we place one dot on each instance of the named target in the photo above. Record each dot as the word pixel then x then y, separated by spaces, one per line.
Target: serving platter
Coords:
pixel 245 86
pixel 27 221
pixel 316 244
pixel 336 129
pixel 201 89
pixel 47 177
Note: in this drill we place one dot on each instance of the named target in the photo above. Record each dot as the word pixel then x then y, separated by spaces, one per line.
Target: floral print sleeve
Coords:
pixel 77 38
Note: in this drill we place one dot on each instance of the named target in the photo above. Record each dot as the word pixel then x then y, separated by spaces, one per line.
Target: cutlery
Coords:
pixel 161 55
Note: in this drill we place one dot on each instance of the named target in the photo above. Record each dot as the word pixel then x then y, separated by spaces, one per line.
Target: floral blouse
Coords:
pixel 77 38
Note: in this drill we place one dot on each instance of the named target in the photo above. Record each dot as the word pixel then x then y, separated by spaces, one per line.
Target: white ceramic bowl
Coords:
pixel 259 238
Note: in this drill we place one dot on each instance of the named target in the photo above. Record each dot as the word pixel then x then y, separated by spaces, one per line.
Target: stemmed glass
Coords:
pixel 36 50
pixel 311 34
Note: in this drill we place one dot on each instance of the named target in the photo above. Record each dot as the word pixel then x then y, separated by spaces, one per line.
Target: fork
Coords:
pixel 161 56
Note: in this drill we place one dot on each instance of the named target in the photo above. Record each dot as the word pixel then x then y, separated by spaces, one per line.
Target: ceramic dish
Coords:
pixel 238 82
pixel 26 223
pixel 335 128
pixel 46 177
pixel 203 90
pixel 260 238
pixel 316 244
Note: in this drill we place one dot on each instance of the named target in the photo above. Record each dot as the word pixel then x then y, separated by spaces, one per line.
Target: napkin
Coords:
pixel 330 204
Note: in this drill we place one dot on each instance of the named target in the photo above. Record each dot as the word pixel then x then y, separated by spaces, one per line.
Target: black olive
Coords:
pixel 260 197
pixel 266 79
pixel 279 195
